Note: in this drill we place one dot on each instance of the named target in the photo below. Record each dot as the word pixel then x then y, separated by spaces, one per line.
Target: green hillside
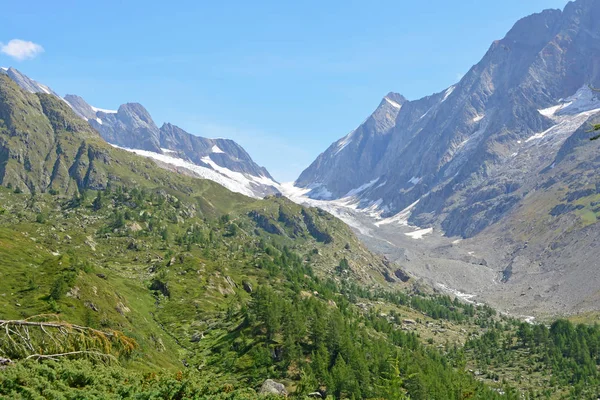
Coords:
pixel 119 279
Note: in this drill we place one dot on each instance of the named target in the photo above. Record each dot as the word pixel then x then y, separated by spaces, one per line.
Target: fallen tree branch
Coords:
pixel 30 338
pixel 25 322
pixel 70 353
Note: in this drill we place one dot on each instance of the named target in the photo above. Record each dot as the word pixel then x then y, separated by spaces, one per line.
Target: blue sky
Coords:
pixel 284 79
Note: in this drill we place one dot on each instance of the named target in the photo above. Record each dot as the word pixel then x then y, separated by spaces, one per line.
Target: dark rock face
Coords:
pixel 265 223
pixel 403 276
pixel 247 286
pixel 448 151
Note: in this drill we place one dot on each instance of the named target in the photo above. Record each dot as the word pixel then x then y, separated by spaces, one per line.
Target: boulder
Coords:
pixel 270 387
pixel 247 286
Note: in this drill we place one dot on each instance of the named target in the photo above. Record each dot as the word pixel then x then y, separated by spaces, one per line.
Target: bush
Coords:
pixel 77 379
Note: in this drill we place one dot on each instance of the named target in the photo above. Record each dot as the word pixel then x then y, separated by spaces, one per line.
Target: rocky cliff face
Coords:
pixel 131 127
pixel 442 150
pixel 224 152
pixel 357 154
pixel 44 146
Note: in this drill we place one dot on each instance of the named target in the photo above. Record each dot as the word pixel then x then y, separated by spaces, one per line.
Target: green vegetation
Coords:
pixel 595 128
pixel 82 379
pixel 173 280
pixel 122 280
pixel 563 357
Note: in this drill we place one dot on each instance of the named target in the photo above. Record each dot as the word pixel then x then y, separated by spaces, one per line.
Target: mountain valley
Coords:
pixel 447 248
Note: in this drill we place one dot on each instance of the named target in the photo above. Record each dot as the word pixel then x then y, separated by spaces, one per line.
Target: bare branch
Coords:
pixel 24 337
pixel 70 353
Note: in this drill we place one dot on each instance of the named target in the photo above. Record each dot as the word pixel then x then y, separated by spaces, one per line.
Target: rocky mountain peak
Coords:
pixel 424 150
pixel 137 113
pixel 534 29
pixel 396 98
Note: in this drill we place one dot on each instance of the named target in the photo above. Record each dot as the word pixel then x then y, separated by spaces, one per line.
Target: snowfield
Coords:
pixel 96 109
pixel 245 184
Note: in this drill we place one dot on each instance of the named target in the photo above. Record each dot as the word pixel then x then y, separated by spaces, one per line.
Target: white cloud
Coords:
pixel 21 49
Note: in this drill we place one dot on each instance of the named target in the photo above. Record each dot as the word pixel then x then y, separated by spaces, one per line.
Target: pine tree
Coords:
pixel 98 203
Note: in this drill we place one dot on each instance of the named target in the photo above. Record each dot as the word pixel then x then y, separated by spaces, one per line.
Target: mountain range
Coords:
pixel 467 222
pixel 484 189
pixel 131 127
pixel 497 165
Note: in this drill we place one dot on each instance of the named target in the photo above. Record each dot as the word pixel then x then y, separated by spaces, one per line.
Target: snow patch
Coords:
pixel 340 208
pixel 401 218
pixel 478 118
pixel 168 151
pixel 234 181
pixel 414 180
pixel 448 92
pixel 243 179
pixel 45 88
pixel 320 192
pixel 381 184
pixel 361 189
pixel 567 123
pixel 585 99
pixel 419 234
pixel 293 192
pixel 345 141
pixel 393 103
pixel 98 120
pixel 550 111
pixel 216 149
pixel 96 109
pixel 4 68
pixel 467 298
